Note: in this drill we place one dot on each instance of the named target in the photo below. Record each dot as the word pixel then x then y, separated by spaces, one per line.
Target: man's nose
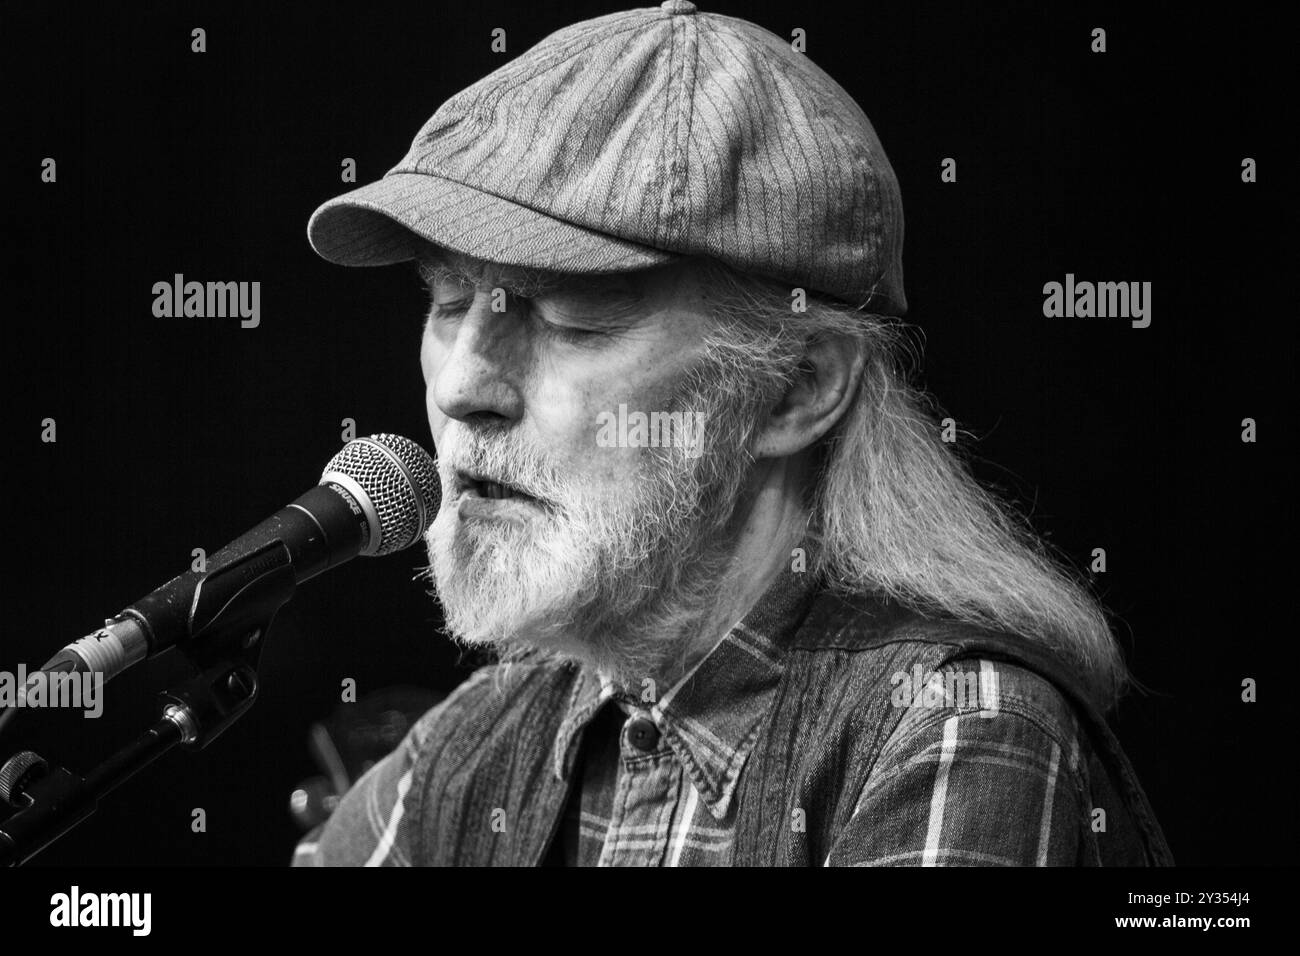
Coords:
pixel 481 373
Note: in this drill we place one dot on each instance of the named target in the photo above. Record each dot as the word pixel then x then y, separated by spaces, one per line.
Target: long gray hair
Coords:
pixel 895 509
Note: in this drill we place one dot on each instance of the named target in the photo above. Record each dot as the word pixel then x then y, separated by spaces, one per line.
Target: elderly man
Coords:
pixel 747 607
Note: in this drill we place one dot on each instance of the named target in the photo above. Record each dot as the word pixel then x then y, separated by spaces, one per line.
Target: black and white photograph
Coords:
pixel 770 435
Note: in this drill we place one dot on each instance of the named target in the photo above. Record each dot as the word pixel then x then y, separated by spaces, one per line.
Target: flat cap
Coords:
pixel 629 140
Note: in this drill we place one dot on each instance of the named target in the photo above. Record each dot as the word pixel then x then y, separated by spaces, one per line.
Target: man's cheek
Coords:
pixel 612 463
pixel 426 354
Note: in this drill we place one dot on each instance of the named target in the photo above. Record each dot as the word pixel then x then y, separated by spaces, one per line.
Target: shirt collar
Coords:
pixel 711 716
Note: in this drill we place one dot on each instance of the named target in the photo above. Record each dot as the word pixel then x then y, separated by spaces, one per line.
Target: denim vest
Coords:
pixel 494 748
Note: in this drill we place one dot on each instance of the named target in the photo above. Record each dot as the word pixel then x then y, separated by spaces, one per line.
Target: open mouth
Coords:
pixel 476 487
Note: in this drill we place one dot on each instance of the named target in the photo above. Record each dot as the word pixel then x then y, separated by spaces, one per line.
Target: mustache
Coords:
pixel 466 456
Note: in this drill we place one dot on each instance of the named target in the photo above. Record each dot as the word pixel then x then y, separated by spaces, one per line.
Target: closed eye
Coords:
pixel 573 333
pixel 453 308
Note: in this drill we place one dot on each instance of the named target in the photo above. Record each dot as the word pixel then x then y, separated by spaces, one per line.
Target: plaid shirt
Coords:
pixel 987 765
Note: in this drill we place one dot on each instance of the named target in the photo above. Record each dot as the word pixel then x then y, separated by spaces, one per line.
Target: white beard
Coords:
pixel 612 580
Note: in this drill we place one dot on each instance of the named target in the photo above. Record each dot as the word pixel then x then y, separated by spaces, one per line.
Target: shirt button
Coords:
pixel 643 734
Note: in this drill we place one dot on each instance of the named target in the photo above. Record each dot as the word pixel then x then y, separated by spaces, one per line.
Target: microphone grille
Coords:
pixel 401 481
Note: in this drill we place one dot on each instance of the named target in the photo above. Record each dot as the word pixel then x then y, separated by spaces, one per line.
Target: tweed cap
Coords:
pixel 635 138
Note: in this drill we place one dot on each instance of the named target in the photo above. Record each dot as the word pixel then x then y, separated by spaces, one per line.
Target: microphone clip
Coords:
pixel 232 610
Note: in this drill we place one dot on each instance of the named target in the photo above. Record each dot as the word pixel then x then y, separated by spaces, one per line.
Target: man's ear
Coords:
pixel 825 385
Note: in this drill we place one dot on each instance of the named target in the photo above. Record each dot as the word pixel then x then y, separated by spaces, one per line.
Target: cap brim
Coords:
pixel 388 221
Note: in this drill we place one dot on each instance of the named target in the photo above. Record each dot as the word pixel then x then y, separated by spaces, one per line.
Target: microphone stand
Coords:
pixel 237 612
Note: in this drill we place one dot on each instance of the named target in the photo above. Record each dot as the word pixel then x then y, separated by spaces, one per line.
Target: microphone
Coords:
pixel 376 496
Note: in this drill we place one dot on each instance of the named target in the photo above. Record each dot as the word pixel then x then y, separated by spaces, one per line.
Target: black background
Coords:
pixel 181 433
